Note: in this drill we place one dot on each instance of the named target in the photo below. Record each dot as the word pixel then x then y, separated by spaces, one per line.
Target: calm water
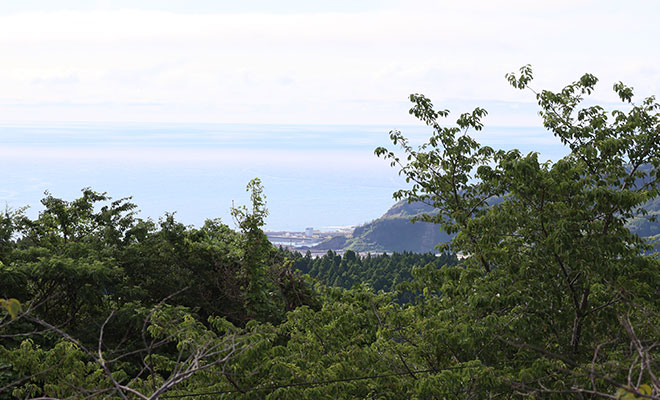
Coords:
pixel 318 176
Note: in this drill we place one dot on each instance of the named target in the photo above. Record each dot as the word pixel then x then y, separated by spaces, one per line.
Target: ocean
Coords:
pixel 320 176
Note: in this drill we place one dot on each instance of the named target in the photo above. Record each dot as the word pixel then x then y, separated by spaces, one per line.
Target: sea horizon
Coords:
pixel 319 176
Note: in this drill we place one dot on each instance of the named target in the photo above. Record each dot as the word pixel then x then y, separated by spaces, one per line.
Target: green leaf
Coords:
pixel 645 389
pixel 12 306
pixel 627 394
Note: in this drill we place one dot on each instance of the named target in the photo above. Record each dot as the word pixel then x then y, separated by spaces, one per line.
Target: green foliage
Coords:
pixel 552 267
pixel 82 261
pixel 68 369
pixel 379 272
pixel 394 232
pixel 628 393
pixel 12 306
pixel 257 255
pixel 332 345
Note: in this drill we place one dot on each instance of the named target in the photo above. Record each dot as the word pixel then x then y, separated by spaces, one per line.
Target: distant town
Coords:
pixel 307 239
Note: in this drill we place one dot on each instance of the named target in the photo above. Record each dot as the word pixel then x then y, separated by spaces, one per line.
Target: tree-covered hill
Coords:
pixel 379 272
pixel 644 225
pixel 394 231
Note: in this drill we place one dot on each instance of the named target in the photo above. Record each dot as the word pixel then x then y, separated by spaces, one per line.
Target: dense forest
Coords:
pixel 553 296
pixel 380 272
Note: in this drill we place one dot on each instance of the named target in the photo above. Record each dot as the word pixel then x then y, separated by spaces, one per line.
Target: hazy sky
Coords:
pixel 329 62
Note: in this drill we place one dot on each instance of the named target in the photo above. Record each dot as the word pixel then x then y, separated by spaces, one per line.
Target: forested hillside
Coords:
pixel 394 231
pixel 379 272
pixel 553 298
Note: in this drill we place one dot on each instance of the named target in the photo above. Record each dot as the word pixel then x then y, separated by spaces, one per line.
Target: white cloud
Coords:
pixel 141 65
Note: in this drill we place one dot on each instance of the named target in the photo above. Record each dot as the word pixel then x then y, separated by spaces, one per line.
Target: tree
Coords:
pixel 269 286
pixel 552 269
pixel 115 306
pixel 177 347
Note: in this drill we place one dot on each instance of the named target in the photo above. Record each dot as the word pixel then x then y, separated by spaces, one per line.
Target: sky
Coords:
pixel 310 62
pixel 180 102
